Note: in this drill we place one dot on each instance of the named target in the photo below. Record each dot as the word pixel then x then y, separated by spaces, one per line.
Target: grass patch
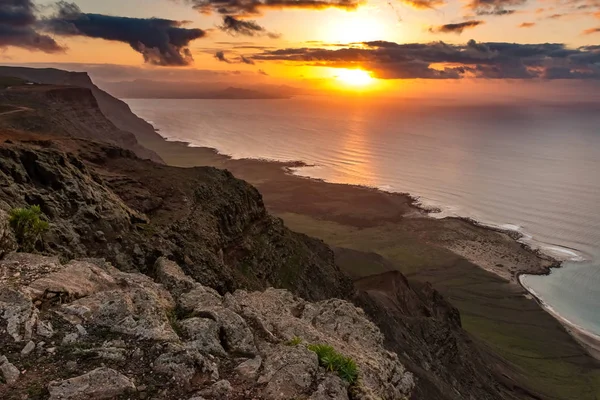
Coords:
pixel 28 224
pixel 295 341
pixel 333 361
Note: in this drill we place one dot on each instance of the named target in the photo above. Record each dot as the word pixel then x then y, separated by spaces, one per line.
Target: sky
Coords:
pixel 352 44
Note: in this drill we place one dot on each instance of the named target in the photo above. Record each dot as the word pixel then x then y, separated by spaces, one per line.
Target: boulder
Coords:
pixel 172 277
pixel 9 371
pixel 203 334
pixel 101 383
pixel 289 372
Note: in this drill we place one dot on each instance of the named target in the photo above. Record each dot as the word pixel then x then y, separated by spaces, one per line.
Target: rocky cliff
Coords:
pixel 118 125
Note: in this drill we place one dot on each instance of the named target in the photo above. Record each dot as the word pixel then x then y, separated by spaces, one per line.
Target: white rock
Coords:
pixel 101 383
pixel 29 347
pixel 9 371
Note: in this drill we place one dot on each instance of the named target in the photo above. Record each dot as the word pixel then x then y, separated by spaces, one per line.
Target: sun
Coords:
pixel 354 77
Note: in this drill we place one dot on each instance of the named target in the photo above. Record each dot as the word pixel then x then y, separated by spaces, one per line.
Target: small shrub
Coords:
pixel 295 341
pixel 28 224
pixel 333 361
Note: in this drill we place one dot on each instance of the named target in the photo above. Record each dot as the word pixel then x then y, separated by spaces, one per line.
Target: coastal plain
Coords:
pixel 474 267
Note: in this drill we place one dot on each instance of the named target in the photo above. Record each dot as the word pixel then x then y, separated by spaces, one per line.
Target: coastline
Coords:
pixel 492 249
pixel 587 340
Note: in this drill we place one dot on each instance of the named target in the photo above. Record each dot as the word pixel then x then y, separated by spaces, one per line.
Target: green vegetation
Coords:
pixel 294 342
pixel 6 81
pixel 333 361
pixel 28 224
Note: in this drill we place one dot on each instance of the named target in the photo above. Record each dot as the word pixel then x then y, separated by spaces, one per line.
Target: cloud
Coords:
pixel 246 60
pixel 439 60
pixel 260 71
pixel 494 7
pixel 220 55
pixel 161 41
pixel 527 25
pixel 235 26
pixel 455 28
pixel 591 31
pixel 255 7
pixel 17 28
pixel 424 4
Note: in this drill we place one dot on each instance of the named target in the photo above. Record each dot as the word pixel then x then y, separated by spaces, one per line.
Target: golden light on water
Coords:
pixel 354 77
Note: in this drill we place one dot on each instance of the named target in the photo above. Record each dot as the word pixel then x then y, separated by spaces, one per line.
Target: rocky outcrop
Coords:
pixel 103 201
pixel 121 334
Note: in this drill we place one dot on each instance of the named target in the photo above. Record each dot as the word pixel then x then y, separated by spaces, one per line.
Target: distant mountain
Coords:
pixel 148 89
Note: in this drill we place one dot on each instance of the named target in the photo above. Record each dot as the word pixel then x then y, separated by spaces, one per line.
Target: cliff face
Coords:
pixel 105 202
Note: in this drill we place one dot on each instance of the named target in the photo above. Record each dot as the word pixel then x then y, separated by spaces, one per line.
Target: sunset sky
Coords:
pixel 311 40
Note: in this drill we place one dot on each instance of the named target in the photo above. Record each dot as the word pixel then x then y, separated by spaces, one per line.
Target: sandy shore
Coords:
pixel 426 244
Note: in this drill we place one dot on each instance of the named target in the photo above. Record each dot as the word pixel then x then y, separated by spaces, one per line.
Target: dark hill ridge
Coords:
pixel 104 201
pixel 115 110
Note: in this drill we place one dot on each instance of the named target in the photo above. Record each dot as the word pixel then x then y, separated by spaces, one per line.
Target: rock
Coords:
pixel 70 338
pixel 237 336
pixel 331 388
pixel 101 383
pixel 199 296
pixel 137 306
pixel 180 364
pixel 172 277
pixel 29 347
pixel 289 372
pixel 20 269
pixel 44 328
pixel 9 371
pixel 248 370
pixel 220 390
pixel 18 311
pixel 81 330
pixel 76 280
pixel 204 335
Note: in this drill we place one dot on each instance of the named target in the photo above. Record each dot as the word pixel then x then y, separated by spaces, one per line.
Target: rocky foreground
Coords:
pixel 86 330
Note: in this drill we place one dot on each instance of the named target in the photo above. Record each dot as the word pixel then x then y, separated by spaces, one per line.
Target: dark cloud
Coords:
pixel 260 71
pixel 17 27
pixel 235 26
pixel 494 7
pixel 455 28
pixel 256 7
pixel 161 41
pixel 439 60
pixel 527 25
pixel 246 60
pixel 220 55
pixel 557 16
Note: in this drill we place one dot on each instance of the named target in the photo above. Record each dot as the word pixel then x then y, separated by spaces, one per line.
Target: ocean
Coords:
pixel 533 168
